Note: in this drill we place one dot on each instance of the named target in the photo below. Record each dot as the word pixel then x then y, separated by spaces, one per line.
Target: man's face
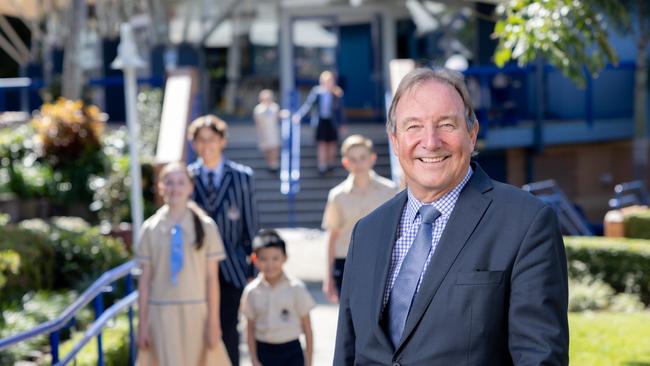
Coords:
pixel 431 139
pixel 359 160
pixel 209 145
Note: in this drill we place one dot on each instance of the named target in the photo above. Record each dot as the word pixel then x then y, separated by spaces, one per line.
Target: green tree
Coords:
pixel 573 35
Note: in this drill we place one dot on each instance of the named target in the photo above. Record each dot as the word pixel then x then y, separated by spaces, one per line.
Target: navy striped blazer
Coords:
pixel 235 212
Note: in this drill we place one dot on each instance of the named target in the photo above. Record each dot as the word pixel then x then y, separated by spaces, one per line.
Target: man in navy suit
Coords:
pixel 225 190
pixel 457 269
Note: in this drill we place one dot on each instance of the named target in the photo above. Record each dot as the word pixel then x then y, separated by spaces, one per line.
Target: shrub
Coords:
pixel 9 264
pixel 35 262
pixel 64 254
pixel 81 253
pixel 624 264
pixel 21 171
pixel 589 293
pixel 68 137
pixel 35 308
pixel 112 198
pixel 637 224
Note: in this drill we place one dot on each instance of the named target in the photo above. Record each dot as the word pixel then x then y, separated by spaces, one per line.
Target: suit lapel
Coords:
pixel 386 236
pixel 469 210
pixel 226 179
pixel 201 192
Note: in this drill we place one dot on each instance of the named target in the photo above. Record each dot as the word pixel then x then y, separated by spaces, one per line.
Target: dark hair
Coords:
pixel 268 238
pixel 198 225
pixel 209 121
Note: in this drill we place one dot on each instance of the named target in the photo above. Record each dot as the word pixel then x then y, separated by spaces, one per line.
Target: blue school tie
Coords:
pixel 176 255
pixel 403 292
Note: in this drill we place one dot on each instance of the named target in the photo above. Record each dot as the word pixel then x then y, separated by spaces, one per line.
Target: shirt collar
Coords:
pixel 283 280
pixel 348 183
pixel 444 204
pixel 186 223
pixel 217 171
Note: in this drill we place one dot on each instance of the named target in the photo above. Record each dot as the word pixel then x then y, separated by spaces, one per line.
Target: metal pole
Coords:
pixel 134 159
pixel 128 61
pixel 98 304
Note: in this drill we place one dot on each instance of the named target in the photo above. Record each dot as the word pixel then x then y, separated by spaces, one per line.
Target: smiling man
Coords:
pixel 458 269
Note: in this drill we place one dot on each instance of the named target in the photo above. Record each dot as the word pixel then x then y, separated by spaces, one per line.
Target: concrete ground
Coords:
pixel 306 251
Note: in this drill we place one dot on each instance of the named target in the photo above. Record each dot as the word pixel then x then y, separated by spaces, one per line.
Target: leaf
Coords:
pixel 502 56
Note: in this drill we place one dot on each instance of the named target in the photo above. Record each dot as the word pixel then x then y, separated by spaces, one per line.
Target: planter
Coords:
pixel 22 209
pixel 123 232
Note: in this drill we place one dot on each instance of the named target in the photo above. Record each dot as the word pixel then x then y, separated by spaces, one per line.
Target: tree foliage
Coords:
pixel 570 34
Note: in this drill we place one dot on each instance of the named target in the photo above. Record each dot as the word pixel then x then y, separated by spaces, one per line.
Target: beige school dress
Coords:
pixel 267 125
pixel 178 313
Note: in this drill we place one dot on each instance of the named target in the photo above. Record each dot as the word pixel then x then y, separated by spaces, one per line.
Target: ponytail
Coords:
pixel 198 227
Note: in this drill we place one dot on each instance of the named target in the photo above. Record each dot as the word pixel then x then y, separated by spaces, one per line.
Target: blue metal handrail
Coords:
pixel 92 294
pixel 96 327
pixel 290 156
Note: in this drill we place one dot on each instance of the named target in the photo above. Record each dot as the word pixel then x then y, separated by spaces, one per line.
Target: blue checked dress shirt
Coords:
pixel 408 228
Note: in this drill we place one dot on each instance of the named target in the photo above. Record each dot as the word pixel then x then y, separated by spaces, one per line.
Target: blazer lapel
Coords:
pixel 469 210
pixel 223 187
pixel 386 236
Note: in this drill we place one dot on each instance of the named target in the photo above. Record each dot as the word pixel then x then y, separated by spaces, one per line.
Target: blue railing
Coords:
pixel 93 294
pixel 290 156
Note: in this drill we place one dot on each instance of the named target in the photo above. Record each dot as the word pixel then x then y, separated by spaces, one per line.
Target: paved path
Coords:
pixel 306 250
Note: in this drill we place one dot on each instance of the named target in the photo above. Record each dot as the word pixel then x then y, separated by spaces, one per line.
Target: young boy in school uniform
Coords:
pixel 276 307
pixel 358 195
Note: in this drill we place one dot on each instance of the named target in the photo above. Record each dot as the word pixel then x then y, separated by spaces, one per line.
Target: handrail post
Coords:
pixel 98 304
pixel 54 346
pixel 129 289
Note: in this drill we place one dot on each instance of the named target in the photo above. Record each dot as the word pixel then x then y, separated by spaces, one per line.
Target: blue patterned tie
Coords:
pixel 211 189
pixel 176 254
pixel 403 292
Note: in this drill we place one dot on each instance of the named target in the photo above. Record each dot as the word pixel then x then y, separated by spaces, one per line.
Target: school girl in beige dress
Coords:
pixel 178 307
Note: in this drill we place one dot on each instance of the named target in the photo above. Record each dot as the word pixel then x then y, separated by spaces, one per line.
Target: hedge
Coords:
pixel 622 263
pixel 64 254
pixel 36 263
pixel 637 224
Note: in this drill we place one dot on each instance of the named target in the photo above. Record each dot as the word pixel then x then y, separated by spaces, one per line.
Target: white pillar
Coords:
pixel 128 61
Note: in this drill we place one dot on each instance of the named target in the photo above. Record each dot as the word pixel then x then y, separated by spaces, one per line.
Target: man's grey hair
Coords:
pixel 422 75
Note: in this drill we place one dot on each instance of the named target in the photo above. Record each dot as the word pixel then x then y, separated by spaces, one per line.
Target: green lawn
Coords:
pixel 610 339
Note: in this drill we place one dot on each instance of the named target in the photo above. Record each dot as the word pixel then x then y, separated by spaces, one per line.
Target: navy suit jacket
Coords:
pixel 235 213
pixel 495 291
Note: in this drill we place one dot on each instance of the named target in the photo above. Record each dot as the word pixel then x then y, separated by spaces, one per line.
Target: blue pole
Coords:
pixel 98 305
pixel 129 289
pixel 54 346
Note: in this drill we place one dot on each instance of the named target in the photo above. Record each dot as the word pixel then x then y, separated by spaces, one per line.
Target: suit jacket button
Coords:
pixel 396 364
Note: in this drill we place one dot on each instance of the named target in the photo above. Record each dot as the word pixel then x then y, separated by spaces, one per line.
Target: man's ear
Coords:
pixel 393 141
pixel 473 134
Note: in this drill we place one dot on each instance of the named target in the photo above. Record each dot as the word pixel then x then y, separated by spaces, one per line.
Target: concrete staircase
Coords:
pixel 310 201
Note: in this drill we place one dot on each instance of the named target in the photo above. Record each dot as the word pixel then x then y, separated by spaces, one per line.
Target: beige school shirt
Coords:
pixel 346 204
pixel 276 310
pixel 154 248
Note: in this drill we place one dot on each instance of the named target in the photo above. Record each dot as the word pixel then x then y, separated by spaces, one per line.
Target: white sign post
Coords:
pixel 128 61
